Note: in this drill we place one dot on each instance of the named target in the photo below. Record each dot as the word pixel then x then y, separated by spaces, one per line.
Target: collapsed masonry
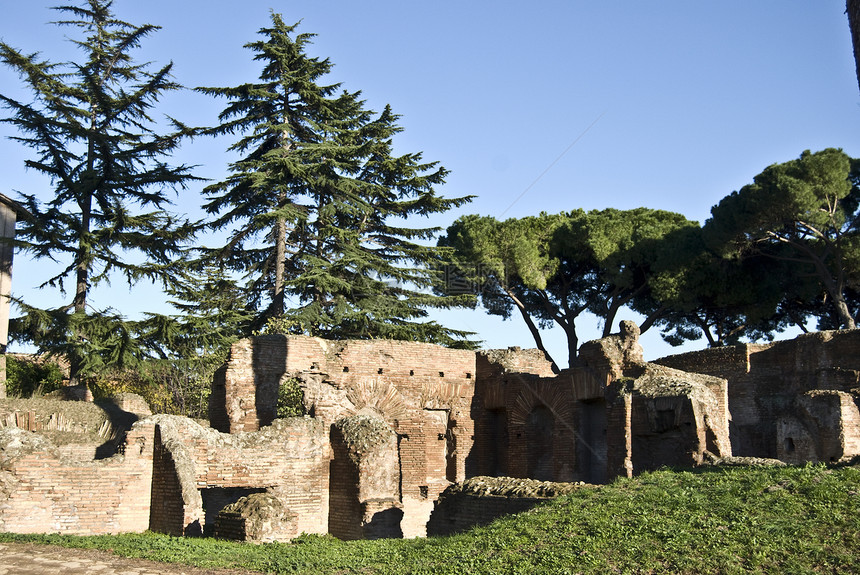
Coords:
pixel 392 424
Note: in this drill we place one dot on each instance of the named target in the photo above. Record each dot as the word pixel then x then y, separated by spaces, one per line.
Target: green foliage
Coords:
pixel 28 378
pixel 780 250
pixel 290 399
pixel 805 212
pixel 90 127
pixel 315 207
pixel 175 386
pixel 710 520
pixel 724 299
pixel 552 268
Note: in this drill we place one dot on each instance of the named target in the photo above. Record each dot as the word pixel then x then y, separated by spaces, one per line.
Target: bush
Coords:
pixel 28 378
pixel 290 399
pixel 175 387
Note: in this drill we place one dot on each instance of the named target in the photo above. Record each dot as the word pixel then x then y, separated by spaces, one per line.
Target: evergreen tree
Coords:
pixel 804 211
pixel 311 201
pixel 552 268
pixel 89 123
pixel 187 348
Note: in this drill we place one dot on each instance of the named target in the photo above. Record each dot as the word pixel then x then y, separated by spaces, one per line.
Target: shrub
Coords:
pixel 290 399
pixel 27 378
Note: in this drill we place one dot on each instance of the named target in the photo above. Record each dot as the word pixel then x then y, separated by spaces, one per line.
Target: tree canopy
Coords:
pixel 779 251
pixel 316 222
pixel 552 268
pixel 803 212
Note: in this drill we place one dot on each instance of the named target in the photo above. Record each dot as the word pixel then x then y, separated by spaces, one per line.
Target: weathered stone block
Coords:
pixel 257 518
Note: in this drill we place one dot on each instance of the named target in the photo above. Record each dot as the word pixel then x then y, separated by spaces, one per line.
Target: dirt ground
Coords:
pixel 30 559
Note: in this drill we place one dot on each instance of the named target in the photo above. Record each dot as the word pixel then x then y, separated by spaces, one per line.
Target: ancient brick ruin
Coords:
pixel 391 425
pixel 794 400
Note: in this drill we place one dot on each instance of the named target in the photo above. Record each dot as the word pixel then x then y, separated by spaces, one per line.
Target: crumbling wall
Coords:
pixel 633 416
pixel 767 382
pixel 523 417
pixel 365 479
pixel 677 418
pixel 258 518
pixel 423 392
pixel 44 491
pixel 481 500
pixel 214 469
pixel 610 414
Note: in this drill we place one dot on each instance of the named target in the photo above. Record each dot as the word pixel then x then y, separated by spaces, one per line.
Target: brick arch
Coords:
pixel 440 395
pixel 378 395
pixel 536 393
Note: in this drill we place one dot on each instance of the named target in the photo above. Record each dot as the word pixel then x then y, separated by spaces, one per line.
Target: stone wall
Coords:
pixel 392 425
pixel 610 414
pixel 423 392
pixel 482 500
pixel 365 480
pixel 523 421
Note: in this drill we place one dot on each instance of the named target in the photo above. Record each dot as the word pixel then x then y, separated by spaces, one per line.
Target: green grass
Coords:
pixel 712 520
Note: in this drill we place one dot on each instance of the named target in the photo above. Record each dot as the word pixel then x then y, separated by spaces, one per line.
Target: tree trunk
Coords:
pixel 572 343
pixel 852 8
pixel 82 272
pixel 280 256
pixel 534 330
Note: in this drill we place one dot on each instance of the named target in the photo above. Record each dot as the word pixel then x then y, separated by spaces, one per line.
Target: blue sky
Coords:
pixel 547 107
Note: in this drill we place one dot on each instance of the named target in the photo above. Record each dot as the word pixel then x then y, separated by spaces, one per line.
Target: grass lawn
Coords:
pixel 709 520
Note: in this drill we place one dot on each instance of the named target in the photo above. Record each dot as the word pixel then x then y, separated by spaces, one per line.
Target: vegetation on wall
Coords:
pixel 290 399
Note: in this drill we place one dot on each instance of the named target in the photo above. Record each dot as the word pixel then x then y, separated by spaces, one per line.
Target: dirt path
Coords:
pixel 30 559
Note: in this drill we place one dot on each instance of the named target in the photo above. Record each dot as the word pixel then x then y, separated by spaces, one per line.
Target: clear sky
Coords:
pixel 545 106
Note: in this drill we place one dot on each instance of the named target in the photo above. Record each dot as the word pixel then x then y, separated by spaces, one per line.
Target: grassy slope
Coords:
pixel 713 520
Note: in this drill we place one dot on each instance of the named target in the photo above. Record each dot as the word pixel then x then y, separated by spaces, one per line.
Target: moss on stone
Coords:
pixel 363 433
pixel 512 487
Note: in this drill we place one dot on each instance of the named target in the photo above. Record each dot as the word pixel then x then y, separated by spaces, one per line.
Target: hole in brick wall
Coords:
pixel 789 444
pixel 345 369
pixel 315 365
pixel 379 371
pixel 441 374
pixel 424 491
pixel 468 375
pixel 411 372
pixel 441 437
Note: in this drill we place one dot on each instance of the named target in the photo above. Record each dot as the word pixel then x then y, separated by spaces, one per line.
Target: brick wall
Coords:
pixel 54 494
pixel 462 511
pixel 423 392
pixel 291 456
pixel 764 382
pixel 523 417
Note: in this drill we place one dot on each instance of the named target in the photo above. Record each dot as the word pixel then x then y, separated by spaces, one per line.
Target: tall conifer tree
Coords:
pixel 311 202
pixel 89 124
